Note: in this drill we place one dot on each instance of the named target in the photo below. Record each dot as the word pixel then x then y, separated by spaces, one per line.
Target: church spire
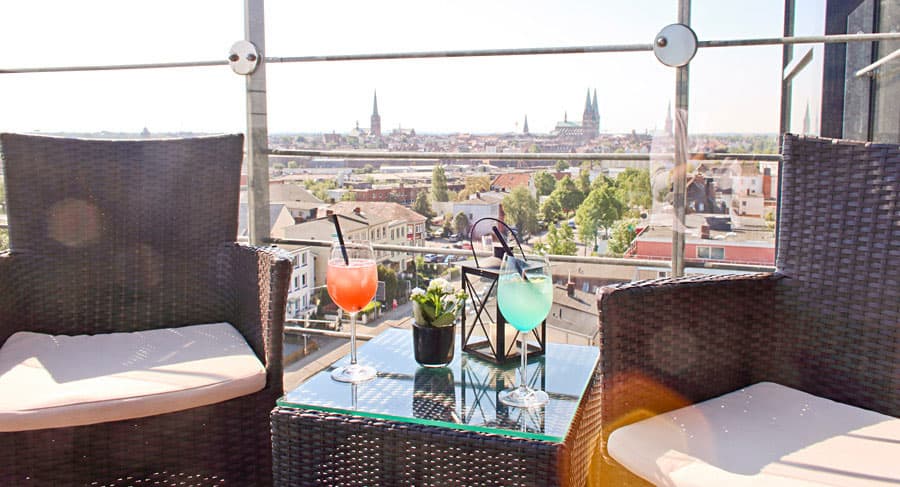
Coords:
pixel 595 109
pixel 525 128
pixel 588 112
pixel 375 126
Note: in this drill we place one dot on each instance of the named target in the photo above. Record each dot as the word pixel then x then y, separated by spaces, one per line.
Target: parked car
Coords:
pixel 455 237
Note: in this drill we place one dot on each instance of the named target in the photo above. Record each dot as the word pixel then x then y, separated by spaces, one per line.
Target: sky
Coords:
pixel 732 89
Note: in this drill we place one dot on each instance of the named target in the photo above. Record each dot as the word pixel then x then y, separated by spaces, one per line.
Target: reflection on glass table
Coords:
pixel 464 395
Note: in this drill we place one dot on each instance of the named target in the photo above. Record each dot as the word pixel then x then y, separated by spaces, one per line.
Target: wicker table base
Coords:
pixel 318 448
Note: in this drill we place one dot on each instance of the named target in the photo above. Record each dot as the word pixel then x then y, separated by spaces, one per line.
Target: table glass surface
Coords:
pixel 463 395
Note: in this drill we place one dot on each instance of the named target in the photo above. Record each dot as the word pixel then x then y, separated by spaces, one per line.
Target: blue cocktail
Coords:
pixel 524 295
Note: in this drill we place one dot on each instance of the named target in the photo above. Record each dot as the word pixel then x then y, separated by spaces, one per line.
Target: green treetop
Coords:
pixel 601 208
pixel 561 241
pixel 521 209
pixel 422 206
pixel 544 182
pixel 635 187
pixel 439 184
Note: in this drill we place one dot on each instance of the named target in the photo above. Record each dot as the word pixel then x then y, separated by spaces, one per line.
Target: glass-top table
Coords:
pixel 462 396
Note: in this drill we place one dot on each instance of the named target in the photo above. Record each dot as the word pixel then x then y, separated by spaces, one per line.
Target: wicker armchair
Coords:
pixel 113 236
pixel 827 322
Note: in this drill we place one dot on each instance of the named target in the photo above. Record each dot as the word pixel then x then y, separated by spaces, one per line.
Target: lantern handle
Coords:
pixel 472 244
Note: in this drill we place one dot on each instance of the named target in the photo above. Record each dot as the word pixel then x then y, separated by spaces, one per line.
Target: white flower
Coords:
pixel 417 292
pixel 438 284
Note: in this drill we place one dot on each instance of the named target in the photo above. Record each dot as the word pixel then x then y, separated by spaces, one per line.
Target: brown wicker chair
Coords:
pixel 826 322
pixel 149 242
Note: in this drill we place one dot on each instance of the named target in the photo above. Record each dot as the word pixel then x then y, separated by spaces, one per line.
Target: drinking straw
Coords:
pixel 502 241
pixel 340 236
pixel 509 252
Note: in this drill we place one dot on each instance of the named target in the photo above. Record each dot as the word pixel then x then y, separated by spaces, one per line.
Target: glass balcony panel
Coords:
pixel 886 126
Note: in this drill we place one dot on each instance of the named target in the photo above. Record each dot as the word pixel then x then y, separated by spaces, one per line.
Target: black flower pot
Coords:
pixel 433 346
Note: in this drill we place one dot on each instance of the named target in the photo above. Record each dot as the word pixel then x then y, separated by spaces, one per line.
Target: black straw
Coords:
pixel 509 252
pixel 337 228
pixel 499 235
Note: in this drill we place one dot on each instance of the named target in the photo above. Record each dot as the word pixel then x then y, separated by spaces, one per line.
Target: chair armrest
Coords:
pixel 259 279
pixel 671 342
pixel 7 278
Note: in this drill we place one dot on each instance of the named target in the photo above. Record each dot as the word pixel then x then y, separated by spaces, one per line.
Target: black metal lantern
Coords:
pixel 484 332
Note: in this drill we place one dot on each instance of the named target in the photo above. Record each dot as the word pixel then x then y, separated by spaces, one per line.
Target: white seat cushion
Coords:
pixel 53 381
pixel 766 434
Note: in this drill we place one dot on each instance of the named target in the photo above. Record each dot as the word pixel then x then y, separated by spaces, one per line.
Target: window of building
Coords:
pixel 711 253
pixel 295 283
pixel 303 258
pixel 303 279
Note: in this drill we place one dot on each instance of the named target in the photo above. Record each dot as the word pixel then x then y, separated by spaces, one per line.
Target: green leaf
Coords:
pixel 445 319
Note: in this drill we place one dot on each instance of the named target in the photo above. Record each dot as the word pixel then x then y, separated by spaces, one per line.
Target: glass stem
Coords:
pixel 352 338
pixel 523 380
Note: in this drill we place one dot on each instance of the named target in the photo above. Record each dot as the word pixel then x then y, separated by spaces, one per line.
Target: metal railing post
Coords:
pixel 682 89
pixel 257 128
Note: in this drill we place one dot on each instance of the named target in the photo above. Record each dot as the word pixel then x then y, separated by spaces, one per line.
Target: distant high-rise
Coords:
pixel 375 126
pixel 525 128
pixel 669 130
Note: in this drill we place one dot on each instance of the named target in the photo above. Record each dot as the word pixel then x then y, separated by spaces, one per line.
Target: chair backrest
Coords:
pixel 119 234
pixel 839 247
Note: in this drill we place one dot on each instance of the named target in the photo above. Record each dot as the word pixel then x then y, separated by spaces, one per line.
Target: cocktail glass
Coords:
pixel 352 280
pixel 524 295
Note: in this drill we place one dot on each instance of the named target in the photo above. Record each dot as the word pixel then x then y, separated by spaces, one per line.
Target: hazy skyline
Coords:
pixel 732 89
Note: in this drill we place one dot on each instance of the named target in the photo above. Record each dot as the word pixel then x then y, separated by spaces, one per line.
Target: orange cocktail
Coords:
pixel 351 286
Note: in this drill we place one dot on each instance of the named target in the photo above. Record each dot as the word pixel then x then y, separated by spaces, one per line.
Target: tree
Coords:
pixel 461 223
pixel 623 233
pixel 422 206
pixel 567 194
pixel 293 165
pixel 320 188
pixel 448 225
pixel 601 208
pixel 561 165
pixel 544 182
pixel 561 241
pixel 583 183
pixel 4 239
pixel 521 209
pixel 635 187
pixel 391 283
pixel 349 195
pixel 601 181
pixel 551 211
pixel 474 184
pixel 439 184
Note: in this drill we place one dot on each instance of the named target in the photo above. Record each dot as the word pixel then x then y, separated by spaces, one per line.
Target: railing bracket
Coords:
pixel 675 45
pixel 243 57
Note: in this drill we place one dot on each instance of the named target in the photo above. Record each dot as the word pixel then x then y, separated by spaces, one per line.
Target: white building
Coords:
pixel 301 297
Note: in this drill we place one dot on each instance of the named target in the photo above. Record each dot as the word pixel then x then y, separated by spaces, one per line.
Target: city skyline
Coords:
pixel 732 90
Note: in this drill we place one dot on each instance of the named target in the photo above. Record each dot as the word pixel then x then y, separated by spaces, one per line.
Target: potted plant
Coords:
pixel 434 311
